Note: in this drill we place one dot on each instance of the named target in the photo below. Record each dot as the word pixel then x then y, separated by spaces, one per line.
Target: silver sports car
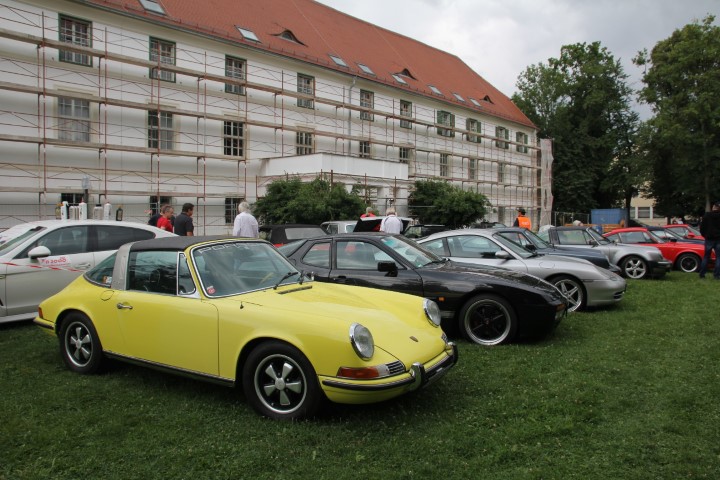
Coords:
pixel 584 284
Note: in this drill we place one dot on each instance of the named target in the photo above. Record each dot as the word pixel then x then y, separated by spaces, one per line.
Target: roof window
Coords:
pixel 289 36
pixel 338 60
pixel 399 79
pixel 248 34
pixel 475 102
pixel 435 90
pixel 459 97
pixel 153 6
pixel 366 69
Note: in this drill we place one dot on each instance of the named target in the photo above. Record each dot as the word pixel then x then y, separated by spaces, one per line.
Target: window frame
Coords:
pixel 406 111
pixel 521 138
pixel 158 133
pixel 367 100
pixel 502 133
pixel 473 125
pixel 72 120
pixel 364 149
pixel 304 143
pixel 306 85
pixel 237 72
pixel 445 164
pixel 156 55
pixel 75 38
pixel 233 143
pixel 443 117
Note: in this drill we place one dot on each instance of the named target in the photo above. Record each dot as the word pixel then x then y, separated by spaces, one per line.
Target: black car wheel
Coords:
pixel 80 345
pixel 573 290
pixel 634 267
pixel 280 383
pixel 488 320
pixel 688 262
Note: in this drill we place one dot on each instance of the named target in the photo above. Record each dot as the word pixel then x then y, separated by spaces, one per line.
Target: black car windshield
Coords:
pixel 237 267
pixel 411 251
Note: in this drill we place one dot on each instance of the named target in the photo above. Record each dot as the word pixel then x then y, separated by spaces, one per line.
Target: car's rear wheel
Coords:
pixel 80 345
pixel 573 290
pixel 688 262
pixel 634 267
pixel 488 320
pixel 280 383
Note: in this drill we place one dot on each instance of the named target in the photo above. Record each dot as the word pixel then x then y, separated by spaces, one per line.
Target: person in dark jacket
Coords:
pixel 183 224
pixel 710 229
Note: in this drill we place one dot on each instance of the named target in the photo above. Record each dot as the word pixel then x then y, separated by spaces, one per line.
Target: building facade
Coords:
pixel 144 102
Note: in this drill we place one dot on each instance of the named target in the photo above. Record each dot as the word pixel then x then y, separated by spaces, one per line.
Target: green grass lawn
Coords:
pixel 631 392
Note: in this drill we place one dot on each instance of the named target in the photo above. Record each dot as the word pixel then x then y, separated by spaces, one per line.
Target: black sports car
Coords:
pixel 488 305
pixel 529 240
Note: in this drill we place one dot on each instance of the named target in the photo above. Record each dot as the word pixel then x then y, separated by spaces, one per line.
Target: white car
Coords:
pixel 582 283
pixel 38 259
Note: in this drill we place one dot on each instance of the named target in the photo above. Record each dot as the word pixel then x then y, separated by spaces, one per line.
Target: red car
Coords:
pixel 684 256
pixel 685 231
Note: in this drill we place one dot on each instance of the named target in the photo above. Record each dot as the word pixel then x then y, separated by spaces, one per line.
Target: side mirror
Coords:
pixel 39 252
pixel 389 267
pixel 502 254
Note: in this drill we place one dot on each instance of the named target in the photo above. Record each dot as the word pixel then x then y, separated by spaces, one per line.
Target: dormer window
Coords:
pixel 153 6
pixel 487 99
pixel 407 73
pixel 338 61
pixel 290 37
pixel 248 34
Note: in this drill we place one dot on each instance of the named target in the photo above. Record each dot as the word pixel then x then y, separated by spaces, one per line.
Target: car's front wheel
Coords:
pixel 688 262
pixel 634 267
pixel 280 383
pixel 488 320
pixel 80 345
pixel 573 290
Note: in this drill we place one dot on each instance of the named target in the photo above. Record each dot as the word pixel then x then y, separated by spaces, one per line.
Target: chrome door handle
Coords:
pixel 122 306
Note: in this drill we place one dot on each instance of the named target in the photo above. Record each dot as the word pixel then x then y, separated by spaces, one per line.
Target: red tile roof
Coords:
pixel 324 31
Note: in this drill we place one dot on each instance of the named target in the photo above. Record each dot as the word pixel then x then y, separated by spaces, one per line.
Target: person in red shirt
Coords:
pixel 164 221
pixel 368 213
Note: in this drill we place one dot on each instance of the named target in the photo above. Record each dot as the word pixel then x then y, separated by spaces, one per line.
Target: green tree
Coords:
pixel 293 201
pixel 682 85
pixel 439 202
pixel 582 102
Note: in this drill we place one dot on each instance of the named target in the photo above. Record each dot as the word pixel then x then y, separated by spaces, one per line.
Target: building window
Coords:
pixel 234 68
pixel 231 208
pixel 501 172
pixel 521 138
pixel 405 111
pixel 160 130
pixel 447 119
pixel 233 141
pixel 73 119
pixel 162 52
pixel 77 32
pixel 72 198
pixel 472 169
pixel 365 150
pixel 157 202
pixel 472 125
pixel 306 85
pixel 644 212
pixel 521 176
pixel 444 165
pixel 405 154
pixel 303 143
pixel 502 133
pixel 367 100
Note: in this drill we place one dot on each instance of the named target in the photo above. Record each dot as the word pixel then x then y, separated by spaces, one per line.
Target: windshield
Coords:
pixel 16 235
pixel 237 267
pixel 537 241
pixel 693 230
pixel 411 251
pixel 596 236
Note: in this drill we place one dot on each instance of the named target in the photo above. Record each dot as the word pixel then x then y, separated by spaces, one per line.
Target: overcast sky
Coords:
pixel 500 38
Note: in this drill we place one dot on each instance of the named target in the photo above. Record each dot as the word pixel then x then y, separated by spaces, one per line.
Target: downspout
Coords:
pixel 354 80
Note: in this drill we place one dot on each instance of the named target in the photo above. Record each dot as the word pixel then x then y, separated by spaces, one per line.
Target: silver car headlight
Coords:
pixel 432 311
pixel 362 341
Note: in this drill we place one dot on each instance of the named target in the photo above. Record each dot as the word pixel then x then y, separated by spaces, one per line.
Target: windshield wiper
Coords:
pixel 285 277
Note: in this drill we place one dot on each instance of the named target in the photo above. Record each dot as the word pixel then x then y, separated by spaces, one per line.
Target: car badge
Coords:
pixel 413 339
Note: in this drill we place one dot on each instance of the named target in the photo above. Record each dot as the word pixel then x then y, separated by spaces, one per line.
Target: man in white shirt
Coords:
pixel 391 223
pixel 245 224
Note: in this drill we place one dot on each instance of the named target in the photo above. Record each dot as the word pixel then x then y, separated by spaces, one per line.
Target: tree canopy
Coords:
pixel 439 202
pixel 582 102
pixel 292 201
pixel 682 85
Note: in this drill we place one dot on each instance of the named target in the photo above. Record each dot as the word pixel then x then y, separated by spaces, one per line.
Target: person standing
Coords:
pixel 165 222
pixel 391 223
pixel 710 229
pixel 522 221
pixel 183 225
pixel 245 224
pixel 368 213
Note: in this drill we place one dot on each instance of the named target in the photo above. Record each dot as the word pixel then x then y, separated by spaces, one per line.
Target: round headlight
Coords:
pixel 432 311
pixel 362 341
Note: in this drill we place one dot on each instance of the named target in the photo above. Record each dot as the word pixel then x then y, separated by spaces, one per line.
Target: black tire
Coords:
pixel 688 262
pixel 634 267
pixel 80 345
pixel 488 320
pixel 573 290
pixel 280 383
